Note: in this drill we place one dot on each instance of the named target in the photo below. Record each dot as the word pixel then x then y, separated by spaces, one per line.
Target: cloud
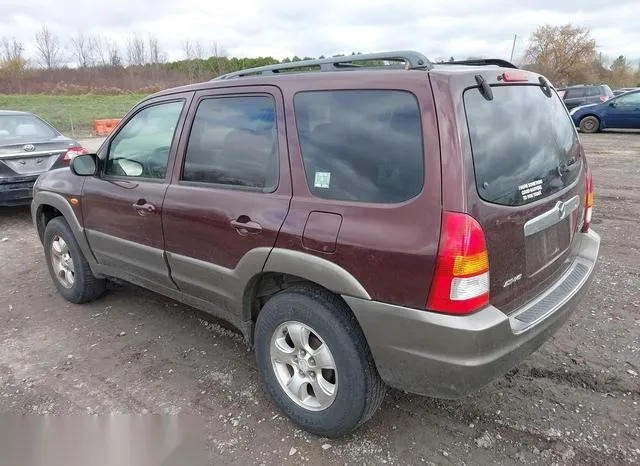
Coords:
pixel 291 27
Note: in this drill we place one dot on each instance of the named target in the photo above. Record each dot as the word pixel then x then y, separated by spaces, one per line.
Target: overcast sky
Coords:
pixel 281 28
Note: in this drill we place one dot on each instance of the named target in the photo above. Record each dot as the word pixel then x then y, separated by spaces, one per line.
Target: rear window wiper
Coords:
pixel 546 86
pixel 485 89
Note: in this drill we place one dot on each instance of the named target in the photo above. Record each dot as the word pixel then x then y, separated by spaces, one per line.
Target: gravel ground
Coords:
pixel 575 401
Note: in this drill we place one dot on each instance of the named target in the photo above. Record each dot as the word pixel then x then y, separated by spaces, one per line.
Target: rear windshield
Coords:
pixel 24 127
pixel 524 144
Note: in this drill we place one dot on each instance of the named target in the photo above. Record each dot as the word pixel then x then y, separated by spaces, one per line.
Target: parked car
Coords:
pixel 574 96
pixel 621 112
pixel 625 89
pixel 29 146
pixel 357 237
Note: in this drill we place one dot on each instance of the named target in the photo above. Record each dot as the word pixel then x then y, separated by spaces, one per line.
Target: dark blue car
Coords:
pixel 621 112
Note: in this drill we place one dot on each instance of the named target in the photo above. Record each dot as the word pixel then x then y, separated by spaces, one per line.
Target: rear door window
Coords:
pixel 361 145
pixel 524 144
pixel 233 143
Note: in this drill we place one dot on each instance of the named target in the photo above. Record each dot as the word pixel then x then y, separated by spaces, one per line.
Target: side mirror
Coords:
pixel 84 165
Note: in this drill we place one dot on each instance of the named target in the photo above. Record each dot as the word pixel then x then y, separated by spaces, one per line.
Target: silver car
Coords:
pixel 29 146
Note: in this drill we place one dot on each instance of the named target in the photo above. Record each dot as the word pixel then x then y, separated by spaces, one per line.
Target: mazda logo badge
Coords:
pixel 28 148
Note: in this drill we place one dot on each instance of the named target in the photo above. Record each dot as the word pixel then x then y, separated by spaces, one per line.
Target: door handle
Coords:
pixel 245 226
pixel 143 207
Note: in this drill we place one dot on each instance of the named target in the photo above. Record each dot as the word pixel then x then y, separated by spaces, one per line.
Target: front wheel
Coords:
pixel 315 361
pixel 589 124
pixel 68 267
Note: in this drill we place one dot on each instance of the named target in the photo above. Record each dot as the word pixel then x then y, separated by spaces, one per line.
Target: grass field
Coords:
pixel 73 115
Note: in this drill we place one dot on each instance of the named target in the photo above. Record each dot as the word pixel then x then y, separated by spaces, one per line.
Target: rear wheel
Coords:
pixel 68 267
pixel 315 361
pixel 589 124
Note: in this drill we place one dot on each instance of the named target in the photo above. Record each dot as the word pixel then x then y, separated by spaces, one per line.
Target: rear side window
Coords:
pixel 361 145
pixel 524 144
pixel 233 142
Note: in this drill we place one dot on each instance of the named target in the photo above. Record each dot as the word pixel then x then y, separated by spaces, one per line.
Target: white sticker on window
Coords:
pixel 531 190
pixel 322 180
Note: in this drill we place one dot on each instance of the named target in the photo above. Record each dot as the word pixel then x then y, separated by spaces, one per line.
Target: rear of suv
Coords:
pixel 364 221
pixel 583 94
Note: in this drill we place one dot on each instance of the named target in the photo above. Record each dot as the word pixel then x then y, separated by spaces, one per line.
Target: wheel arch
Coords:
pixel 48 205
pixel 285 269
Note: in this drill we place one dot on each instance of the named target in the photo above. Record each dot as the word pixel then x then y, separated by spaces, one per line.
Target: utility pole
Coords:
pixel 513 48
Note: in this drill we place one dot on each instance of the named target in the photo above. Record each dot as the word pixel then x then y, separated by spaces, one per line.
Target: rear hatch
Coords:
pixel 530 181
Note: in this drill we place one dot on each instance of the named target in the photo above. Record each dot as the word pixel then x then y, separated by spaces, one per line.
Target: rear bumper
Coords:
pixel 450 356
pixel 16 192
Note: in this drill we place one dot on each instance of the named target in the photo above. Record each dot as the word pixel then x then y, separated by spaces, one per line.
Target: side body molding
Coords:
pixel 315 269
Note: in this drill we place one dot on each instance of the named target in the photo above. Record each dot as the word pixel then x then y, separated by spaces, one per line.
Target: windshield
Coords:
pixel 524 144
pixel 24 127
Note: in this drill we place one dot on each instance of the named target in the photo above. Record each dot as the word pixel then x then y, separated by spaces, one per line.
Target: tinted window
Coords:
pixel 361 145
pixel 631 100
pixel 23 127
pixel 524 144
pixel 233 141
pixel 141 148
pixel 576 92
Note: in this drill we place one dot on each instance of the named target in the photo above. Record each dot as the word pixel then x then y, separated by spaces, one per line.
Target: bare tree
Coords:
pixel 563 53
pixel 136 51
pixel 12 62
pixel 115 59
pixel 101 46
pixel 193 50
pixel 84 49
pixel 156 55
pixel 11 50
pixel 219 54
pixel 49 48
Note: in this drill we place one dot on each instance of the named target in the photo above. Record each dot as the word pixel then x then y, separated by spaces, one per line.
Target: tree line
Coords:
pixel 92 63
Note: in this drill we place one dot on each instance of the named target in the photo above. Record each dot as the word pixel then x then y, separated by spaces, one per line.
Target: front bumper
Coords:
pixel 16 192
pixel 451 356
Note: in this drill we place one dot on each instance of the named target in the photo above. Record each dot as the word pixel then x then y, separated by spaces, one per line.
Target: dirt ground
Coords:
pixel 575 401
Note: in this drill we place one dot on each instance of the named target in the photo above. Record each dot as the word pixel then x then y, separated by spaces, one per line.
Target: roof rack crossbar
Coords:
pixel 412 60
pixel 481 62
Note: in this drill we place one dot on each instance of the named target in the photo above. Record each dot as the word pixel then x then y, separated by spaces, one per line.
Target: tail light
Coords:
pixel 588 202
pixel 604 98
pixel 72 153
pixel 461 280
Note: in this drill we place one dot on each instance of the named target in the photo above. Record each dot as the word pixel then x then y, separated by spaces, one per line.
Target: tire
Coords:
pixel 357 390
pixel 589 124
pixel 79 286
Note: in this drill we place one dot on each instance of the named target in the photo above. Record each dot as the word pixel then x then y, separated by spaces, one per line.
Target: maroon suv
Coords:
pixel 364 224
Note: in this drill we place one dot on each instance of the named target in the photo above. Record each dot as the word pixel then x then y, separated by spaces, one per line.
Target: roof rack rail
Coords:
pixel 412 60
pixel 481 62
